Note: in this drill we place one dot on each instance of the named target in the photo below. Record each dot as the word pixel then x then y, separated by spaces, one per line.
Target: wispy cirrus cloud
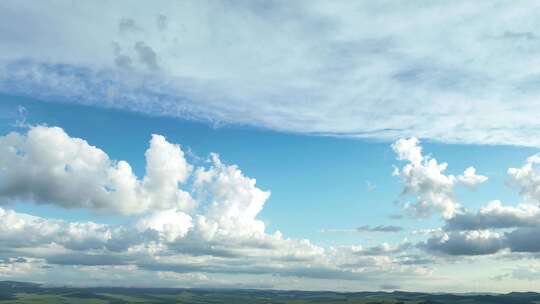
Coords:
pixel 372 70
pixel 366 229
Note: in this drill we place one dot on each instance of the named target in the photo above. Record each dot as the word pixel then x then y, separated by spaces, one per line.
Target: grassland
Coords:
pixel 28 293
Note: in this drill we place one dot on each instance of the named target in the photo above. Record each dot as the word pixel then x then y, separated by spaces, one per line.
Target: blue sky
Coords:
pixel 343 113
pixel 330 182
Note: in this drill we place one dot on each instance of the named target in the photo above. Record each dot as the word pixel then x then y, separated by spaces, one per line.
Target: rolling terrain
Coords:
pixel 20 292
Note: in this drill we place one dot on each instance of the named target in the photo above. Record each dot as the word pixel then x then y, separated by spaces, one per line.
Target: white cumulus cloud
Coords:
pixel 46 165
pixel 423 177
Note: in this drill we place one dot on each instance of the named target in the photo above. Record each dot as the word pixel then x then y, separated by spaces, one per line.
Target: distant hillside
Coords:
pixel 12 292
pixel 16 284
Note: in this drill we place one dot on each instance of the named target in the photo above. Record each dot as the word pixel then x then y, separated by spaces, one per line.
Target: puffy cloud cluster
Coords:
pixel 470 178
pixel 210 226
pixel 208 229
pixel 47 166
pixel 171 224
pixel 169 242
pixel 492 229
pixel 233 199
pixel 25 231
pixel 527 178
pixel 423 177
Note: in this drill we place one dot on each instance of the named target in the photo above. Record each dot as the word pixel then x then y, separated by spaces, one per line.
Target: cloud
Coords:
pixel 26 231
pixel 520 35
pixel 483 242
pixel 527 178
pixel 154 243
pixel 22 114
pixel 171 223
pixel 384 249
pixel 423 177
pixel 162 22
pixel 46 165
pixel 432 78
pixel 524 239
pixel 379 228
pixel 212 230
pixel 234 200
pixel 146 55
pixel 217 230
pixel 470 178
pixel 466 243
pixel 416 259
pixel 494 215
pixel 530 273
pixel 123 61
pixel 492 229
pixel 126 25
pixel 367 229
pixel 408 149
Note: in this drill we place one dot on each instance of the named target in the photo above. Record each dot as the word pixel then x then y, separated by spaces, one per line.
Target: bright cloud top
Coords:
pixel 48 166
pixel 424 178
pixel 358 68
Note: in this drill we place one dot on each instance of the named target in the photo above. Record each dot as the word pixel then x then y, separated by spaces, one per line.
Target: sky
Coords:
pixel 311 145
